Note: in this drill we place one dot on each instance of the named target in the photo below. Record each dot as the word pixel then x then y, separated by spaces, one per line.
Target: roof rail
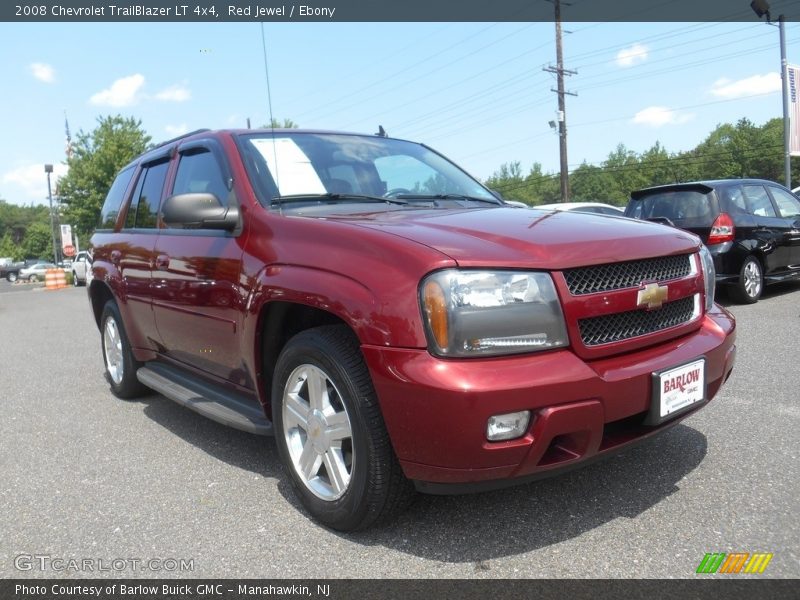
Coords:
pixel 180 137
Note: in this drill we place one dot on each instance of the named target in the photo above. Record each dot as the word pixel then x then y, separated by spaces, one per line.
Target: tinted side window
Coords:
pixel 113 202
pixel 143 212
pixel 788 205
pixel 731 200
pixel 758 201
pixel 199 171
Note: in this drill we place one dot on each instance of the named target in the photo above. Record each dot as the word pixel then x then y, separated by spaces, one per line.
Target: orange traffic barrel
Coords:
pixel 61 279
pixel 51 279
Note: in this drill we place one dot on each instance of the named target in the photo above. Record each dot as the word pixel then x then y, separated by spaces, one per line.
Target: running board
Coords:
pixel 218 404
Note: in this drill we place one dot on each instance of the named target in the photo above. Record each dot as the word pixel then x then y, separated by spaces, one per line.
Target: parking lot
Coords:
pixel 87 476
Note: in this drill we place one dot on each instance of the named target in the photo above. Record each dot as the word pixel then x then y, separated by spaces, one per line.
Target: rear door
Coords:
pixel 788 207
pixel 771 231
pixel 137 240
pixel 198 289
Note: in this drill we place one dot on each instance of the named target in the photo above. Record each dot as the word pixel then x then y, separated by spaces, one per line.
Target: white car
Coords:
pixel 589 207
pixel 81 269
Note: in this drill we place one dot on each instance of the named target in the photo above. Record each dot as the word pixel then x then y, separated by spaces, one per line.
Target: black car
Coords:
pixel 751 227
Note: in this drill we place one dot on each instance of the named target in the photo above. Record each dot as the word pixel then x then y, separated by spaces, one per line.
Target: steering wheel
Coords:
pixel 396 191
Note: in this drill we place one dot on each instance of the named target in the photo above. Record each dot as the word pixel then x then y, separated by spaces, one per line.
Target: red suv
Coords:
pixel 390 321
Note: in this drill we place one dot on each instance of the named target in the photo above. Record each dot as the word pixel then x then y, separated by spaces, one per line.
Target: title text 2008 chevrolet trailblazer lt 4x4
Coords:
pixel 390 321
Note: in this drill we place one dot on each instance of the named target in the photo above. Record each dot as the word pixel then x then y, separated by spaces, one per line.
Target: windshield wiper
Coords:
pixel 447 197
pixel 334 197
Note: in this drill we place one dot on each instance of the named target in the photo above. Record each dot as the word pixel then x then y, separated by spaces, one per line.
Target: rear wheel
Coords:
pixel 33 278
pixel 120 364
pixel 75 281
pixel 330 432
pixel 751 281
pixel 12 277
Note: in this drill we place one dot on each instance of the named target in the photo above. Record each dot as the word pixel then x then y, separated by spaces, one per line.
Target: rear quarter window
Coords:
pixel 684 208
pixel 113 202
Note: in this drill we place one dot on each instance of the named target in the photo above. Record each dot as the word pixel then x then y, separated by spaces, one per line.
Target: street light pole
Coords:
pixel 787 156
pixel 49 169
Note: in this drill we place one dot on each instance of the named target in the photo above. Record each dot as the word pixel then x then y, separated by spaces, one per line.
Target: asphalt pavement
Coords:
pixel 149 489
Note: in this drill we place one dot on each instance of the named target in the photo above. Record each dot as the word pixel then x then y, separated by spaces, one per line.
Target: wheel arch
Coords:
pixel 99 294
pixel 278 322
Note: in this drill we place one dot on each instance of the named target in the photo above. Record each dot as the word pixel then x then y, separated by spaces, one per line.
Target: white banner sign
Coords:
pixel 794 110
pixel 66 236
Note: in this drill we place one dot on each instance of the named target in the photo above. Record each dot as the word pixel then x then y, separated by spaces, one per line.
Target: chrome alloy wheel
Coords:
pixel 752 279
pixel 317 431
pixel 112 344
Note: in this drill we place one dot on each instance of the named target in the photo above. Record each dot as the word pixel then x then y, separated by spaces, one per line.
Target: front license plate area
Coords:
pixel 677 390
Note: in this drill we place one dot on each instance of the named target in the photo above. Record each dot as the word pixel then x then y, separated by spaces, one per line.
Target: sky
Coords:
pixel 476 92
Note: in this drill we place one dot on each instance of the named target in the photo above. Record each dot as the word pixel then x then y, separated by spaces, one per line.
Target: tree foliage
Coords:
pixel 276 124
pixel 729 151
pixel 38 242
pixel 97 158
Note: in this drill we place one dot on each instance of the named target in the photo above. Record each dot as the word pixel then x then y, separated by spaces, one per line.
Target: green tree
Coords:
pixel 9 249
pixel 276 124
pixel 97 158
pixel 38 241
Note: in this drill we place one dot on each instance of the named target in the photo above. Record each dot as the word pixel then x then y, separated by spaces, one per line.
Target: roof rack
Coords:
pixel 180 137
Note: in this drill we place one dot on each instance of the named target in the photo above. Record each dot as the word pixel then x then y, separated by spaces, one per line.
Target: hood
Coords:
pixel 523 238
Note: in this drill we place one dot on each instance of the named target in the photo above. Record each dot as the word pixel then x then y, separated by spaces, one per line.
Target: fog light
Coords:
pixel 507 426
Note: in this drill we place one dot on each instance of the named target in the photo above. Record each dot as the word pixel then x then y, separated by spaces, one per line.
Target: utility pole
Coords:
pixel 761 8
pixel 560 71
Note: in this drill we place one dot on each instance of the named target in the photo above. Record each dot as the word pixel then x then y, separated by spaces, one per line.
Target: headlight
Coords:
pixel 484 313
pixel 709 275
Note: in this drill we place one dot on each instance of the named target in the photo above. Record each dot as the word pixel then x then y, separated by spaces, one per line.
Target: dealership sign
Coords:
pixel 794 110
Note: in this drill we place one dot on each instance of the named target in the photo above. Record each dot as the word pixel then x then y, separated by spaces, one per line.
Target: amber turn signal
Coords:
pixel 436 309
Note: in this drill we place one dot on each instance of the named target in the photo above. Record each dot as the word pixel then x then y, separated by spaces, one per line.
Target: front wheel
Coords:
pixel 751 281
pixel 12 277
pixel 121 366
pixel 330 432
pixel 33 278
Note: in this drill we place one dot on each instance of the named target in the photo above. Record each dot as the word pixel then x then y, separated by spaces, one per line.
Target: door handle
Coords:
pixel 162 262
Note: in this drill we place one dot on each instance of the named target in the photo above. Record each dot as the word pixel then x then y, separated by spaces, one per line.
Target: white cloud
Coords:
pixel 43 72
pixel 176 130
pixel 749 86
pixel 627 57
pixel 657 116
pixel 174 93
pixel 31 182
pixel 123 92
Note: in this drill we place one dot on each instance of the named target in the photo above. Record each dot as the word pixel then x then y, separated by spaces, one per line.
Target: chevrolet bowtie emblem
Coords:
pixel 652 296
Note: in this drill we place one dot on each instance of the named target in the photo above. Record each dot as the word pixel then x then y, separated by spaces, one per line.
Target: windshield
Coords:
pixel 343 167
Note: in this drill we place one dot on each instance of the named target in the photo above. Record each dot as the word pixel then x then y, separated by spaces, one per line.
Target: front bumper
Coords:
pixel 436 409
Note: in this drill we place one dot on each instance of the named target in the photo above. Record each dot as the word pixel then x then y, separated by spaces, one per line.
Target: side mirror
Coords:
pixel 199 211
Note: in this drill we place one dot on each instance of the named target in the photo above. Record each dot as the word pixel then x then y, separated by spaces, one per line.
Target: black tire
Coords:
pixel 123 383
pixel 377 490
pixel 750 284
pixel 75 282
pixel 33 278
pixel 12 277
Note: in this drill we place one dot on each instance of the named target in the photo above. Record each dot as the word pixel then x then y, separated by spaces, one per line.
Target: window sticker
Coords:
pixel 289 165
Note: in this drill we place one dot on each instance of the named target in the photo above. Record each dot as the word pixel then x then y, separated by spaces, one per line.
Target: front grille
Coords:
pixel 626 325
pixel 616 276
